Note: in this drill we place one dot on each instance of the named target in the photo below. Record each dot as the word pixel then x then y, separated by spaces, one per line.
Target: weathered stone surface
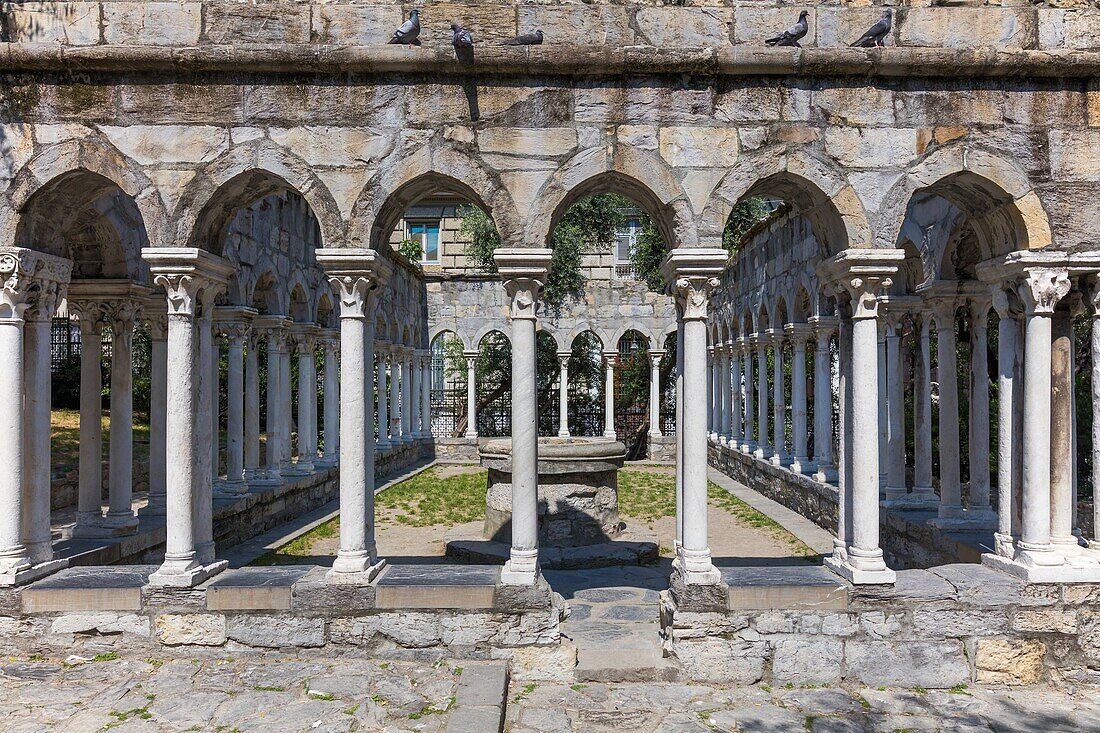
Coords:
pixel 721 660
pixel 1009 661
pixel 276 631
pixel 807 661
pixel 1045 620
pixel 929 664
pixel 944 623
pixel 199 629
pixel 102 622
pixel 170 24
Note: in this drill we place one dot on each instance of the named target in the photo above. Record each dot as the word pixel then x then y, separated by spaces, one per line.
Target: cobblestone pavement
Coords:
pixel 268 693
pixel 678 708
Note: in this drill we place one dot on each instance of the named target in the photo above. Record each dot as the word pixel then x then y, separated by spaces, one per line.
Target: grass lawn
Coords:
pixel 426 499
pixel 65 437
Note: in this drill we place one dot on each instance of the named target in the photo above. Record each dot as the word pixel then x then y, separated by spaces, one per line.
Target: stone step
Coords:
pixel 624 665
pixel 480 699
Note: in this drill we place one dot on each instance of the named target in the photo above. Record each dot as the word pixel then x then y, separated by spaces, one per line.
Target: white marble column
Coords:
pixel 353 274
pixel 305 339
pixel 286 395
pixel 798 334
pixel 923 493
pixel 156 313
pixel 416 390
pixel 1092 292
pixel 896 492
pixel 609 359
pixel 120 517
pixel 736 418
pixel 779 457
pixel 563 394
pixel 863 275
pixel 426 395
pixel 694 276
pixel 471 393
pixel 844 426
pixel 332 397
pixel 406 395
pixel 1008 420
pixel 711 393
pixel 979 510
pixel 396 437
pixel 1062 430
pixel 215 401
pixel 824 467
pixel 763 444
pixel 680 398
pixel 751 431
pixel 883 411
pixel 43 302
pixel 724 393
pixel 252 470
pixel 189 276
pixel 523 272
pixel 382 356
pixel 234 392
pixel 276 338
pixel 206 387
pixel 655 358
pixel 951 512
pixel 89 508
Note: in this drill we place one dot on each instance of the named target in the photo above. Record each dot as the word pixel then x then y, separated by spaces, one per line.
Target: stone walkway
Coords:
pixel 678 708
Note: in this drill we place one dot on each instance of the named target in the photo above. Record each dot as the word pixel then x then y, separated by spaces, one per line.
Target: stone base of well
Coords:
pixel 632 547
pixel 938 628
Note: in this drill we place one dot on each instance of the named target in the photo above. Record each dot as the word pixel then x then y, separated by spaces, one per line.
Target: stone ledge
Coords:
pixel 556 60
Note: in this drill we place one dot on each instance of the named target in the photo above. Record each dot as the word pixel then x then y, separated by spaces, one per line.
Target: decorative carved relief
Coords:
pixel 693 295
pixel 1041 289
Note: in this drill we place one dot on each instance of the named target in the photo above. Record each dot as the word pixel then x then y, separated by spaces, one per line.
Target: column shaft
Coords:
pixel 823 406
pixel 749 387
pixel 655 394
pixel 863 551
pixel 947 369
pixel 383 399
pixel 332 399
pixel 36 478
pixel 158 409
pixel 90 484
pixel 252 409
pixel 1035 547
pixel 426 396
pixel 798 405
pixel 922 415
pixel 736 419
pixel 274 408
pixel 763 449
pixel 14 557
pixel 414 397
pixel 471 396
pixel 1008 450
pixel 563 395
pixel 779 405
pixel 979 508
pixel 234 393
pixel 120 513
pixel 396 436
pixel 609 395
pixel 1061 433
pixel 895 405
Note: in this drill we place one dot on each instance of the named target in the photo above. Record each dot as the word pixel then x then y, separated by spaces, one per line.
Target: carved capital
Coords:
pixel 91 316
pixel 693 295
pixel 656 356
pixel 1040 289
pixel 31 279
pixel 354 293
pixel 861 275
pixel 524 295
pixel 120 315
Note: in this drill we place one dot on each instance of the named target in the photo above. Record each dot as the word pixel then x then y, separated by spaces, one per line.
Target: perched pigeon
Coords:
pixel 461 37
pixel 873 37
pixel 409 32
pixel 525 39
pixel 792 35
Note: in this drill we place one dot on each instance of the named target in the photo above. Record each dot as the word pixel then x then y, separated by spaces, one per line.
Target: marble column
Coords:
pixel 736 419
pixel 563 394
pixel 763 445
pixel 252 470
pixel 286 419
pixel 471 393
pixel 1062 431
pixel 89 506
pixel 234 393
pixel 979 510
pixel 712 391
pixel 382 357
pixel 823 329
pixel 354 274
pixel 609 359
pixel 863 275
pixel 156 313
pixel 305 338
pixel 694 277
pixel 680 397
pixel 276 339
pixel 749 443
pixel 523 272
pixel 406 394
pixel 426 395
pixel 923 493
pixel 332 398
pixel 215 401
pixel 206 386
pixel 37 367
pixel 1005 302
pixel 396 437
pixel 655 358
pixel 1092 292
pixel 894 459
pixel 191 277
pixel 120 517
pixel 724 393
pixel 951 512
pixel 415 400
pixel 798 334
pixel 883 410
pixel 844 425
pixel 780 457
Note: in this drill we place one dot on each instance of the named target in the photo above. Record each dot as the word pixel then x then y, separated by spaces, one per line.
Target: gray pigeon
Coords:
pixel 874 36
pixel 525 39
pixel 461 37
pixel 409 32
pixel 792 35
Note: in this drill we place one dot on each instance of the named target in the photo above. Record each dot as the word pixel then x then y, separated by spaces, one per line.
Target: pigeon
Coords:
pixel 873 37
pixel 792 35
pixel 525 39
pixel 409 31
pixel 461 37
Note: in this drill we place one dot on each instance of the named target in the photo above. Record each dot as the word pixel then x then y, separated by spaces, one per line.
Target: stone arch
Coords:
pixel 634 325
pixel 301 310
pixel 815 187
pixel 639 175
pixel 403 180
pixel 583 326
pixel 440 330
pixel 265 295
pixel 325 312
pixel 241 176
pixel 992 190
pixel 481 333
pixel 553 332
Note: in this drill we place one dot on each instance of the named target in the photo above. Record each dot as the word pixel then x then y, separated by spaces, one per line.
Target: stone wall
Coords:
pixel 64 489
pixel 936 629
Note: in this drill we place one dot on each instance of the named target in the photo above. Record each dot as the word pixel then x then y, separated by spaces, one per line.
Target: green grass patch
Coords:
pixel 301 547
pixel 427 500
pixel 105 657
pixel 753 518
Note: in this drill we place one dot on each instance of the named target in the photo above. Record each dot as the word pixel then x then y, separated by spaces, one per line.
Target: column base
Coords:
pixel 185 573
pixel 695 567
pixel 801 464
pixel 611 435
pixel 1024 566
pixel 354 569
pixel 964 520
pixel 826 474
pixel 780 459
pixel 24 574
pixel 381 446
pixel 860 576
pixel 97 527
pixel 301 469
pixel 230 489
pixel 123 523
pixel 763 452
pixel 521 568
pixel 652 434
pixel 898 498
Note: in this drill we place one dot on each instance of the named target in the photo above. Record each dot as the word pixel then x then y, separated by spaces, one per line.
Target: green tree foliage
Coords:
pixel 745 215
pixel 412 249
pixel 481 237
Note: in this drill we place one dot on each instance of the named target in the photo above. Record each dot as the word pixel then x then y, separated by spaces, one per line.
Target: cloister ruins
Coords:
pixel 236 176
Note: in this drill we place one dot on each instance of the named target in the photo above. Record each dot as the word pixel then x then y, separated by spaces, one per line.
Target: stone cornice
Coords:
pixel 551 60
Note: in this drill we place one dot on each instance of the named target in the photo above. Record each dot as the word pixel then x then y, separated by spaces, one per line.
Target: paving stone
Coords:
pixel 785 587
pixel 482 684
pixel 630 613
pixel 820 701
pixel 468 719
pixel 760 718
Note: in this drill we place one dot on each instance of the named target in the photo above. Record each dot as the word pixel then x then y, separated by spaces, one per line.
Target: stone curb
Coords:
pixel 480 699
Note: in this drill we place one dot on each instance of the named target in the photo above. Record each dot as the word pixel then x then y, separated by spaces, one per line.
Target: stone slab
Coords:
pixel 605 554
pixel 784 587
pixel 115 588
pixel 254 589
pixel 482 685
pixel 436 586
pixel 480 719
